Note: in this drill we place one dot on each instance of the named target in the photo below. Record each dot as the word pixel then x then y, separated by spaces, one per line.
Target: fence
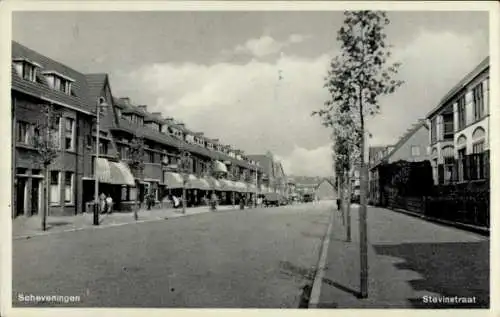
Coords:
pixel 466 202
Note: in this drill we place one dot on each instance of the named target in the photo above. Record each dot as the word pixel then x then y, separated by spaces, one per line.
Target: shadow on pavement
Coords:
pixel 56 224
pixel 340 287
pixel 449 269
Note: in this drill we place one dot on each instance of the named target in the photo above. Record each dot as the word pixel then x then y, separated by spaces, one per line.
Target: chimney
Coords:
pixel 181 124
pixel 126 100
pixel 143 108
pixel 199 133
pixel 157 114
pixel 215 140
pixel 169 120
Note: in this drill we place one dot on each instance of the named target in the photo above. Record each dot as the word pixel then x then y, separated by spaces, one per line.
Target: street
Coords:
pixel 252 258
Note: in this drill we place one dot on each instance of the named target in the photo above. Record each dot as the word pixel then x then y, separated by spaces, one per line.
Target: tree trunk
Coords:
pixel 137 201
pixel 363 236
pixel 184 198
pixel 348 209
pixel 46 204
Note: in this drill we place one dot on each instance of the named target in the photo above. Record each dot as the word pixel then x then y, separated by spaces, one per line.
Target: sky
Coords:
pixel 252 79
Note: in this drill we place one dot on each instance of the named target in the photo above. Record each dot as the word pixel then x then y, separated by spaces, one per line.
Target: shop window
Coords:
pixel 55 198
pixel 68 188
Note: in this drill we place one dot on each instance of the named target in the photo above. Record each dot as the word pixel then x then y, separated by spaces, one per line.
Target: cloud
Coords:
pixel 310 162
pixel 266 45
pixel 248 106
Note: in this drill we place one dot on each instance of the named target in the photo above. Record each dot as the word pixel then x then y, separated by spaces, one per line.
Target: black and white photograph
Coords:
pixel 217 156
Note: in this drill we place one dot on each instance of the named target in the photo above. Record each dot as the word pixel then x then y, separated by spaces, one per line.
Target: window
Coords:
pixel 151 157
pixel 29 72
pixel 68 188
pixel 415 150
pixel 103 147
pixel 55 133
pixel 22 132
pixel 448 130
pixel 461 113
pixel 449 162
pixel 478 101
pixel 461 164
pixel 434 130
pixel 478 147
pixel 54 188
pixel 69 132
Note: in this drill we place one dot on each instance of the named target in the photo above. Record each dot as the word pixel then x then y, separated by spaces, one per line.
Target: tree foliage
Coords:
pixel 137 153
pixel 357 78
pixel 46 134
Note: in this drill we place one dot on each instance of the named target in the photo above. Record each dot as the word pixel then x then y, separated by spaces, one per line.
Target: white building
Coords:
pixel 459 126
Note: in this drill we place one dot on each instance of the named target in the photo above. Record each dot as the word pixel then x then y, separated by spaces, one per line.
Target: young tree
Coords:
pixel 136 163
pixel 47 143
pixel 358 76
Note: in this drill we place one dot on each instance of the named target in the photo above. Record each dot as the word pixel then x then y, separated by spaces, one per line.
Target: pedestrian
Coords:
pixel 213 201
pixel 338 204
pixel 149 200
pixel 176 201
pixel 242 202
pixel 109 204
pixel 102 203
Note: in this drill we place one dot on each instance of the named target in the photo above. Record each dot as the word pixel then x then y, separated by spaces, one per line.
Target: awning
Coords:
pixel 251 188
pixel 197 183
pixel 116 173
pixel 214 183
pixel 240 186
pixel 219 167
pixel 227 185
pixel 172 180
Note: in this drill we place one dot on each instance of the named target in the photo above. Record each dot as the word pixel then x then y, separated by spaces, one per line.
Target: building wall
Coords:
pixel 436 153
pixel 404 152
pixel 77 161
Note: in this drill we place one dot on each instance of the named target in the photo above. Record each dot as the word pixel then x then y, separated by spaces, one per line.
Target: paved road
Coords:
pixel 409 258
pixel 258 258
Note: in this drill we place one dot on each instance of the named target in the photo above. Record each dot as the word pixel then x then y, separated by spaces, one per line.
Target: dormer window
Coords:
pixel 26 68
pixel 59 82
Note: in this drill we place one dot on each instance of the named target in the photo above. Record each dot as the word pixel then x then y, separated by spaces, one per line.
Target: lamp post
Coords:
pixel 185 156
pixel 101 103
pixel 256 184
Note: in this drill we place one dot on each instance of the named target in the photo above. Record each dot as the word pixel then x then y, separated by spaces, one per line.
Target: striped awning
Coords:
pixel 214 183
pixel 116 173
pixel 172 180
pixel 227 185
pixel 197 183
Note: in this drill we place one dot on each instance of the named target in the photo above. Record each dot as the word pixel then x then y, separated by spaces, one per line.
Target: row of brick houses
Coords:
pixel 453 137
pixel 38 82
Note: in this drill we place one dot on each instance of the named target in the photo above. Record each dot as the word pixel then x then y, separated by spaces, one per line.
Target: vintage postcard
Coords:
pixel 310 156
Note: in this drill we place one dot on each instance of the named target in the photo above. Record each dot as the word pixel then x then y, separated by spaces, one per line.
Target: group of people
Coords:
pixel 106 203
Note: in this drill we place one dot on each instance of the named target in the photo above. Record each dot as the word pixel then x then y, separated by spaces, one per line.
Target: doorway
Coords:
pixel 35 196
pixel 20 196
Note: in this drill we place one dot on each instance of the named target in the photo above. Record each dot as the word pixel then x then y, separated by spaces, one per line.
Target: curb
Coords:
pixel 458 225
pixel 320 271
pixel 46 233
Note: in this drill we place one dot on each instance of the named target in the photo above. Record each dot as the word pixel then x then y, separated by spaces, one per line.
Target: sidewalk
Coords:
pixel 408 258
pixel 27 227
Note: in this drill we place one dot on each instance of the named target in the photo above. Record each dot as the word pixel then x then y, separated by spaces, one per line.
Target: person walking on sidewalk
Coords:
pixel 213 202
pixel 109 204
pixel 102 203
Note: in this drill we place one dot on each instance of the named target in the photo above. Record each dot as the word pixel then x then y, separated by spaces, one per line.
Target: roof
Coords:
pixel 169 140
pixel 409 133
pixel 79 98
pixel 95 83
pixel 325 180
pixel 484 65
